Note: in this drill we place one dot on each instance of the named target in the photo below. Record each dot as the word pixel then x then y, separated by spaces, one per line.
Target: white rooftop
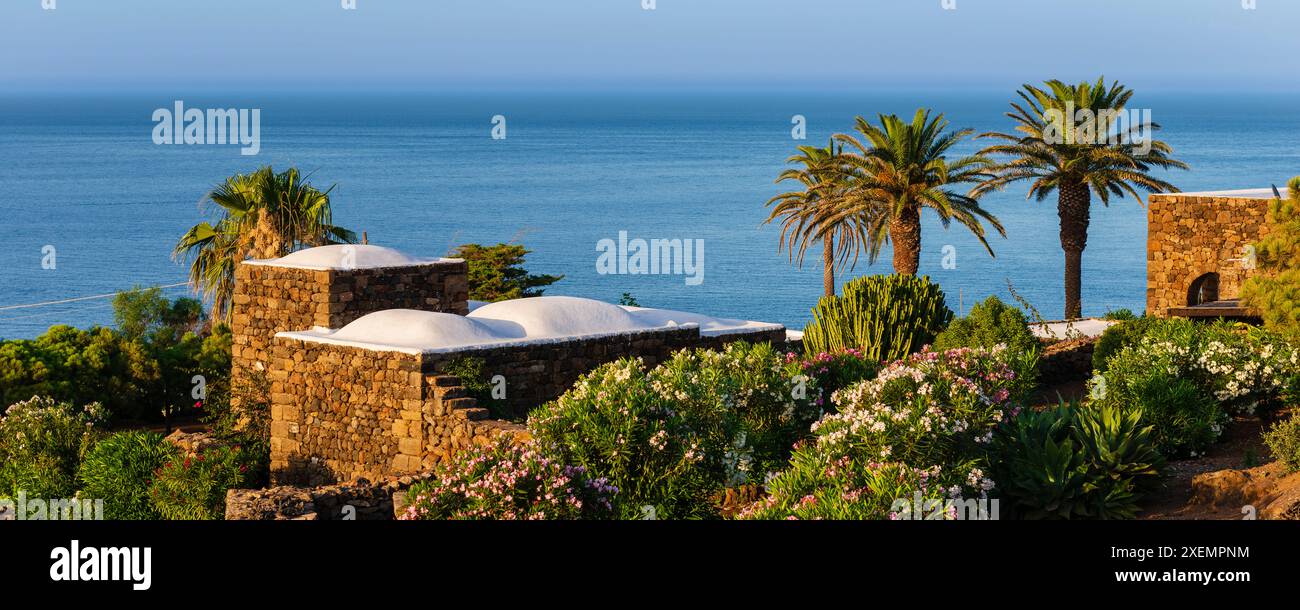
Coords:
pixel 515 322
pixel 347 257
pixel 1088 327
pixel 1264 193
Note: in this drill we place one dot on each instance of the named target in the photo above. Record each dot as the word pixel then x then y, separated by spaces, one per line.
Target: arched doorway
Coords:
pixel 1204 289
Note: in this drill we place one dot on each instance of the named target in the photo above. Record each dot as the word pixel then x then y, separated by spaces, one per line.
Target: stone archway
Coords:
pixel 1204 289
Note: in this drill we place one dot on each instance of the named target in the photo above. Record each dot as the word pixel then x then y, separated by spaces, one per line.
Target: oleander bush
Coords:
pixel 1073 462
pixel 42 445
pixel 831 371
pixel 922 426
pixel 1129 332
pixel 119 470
pixel 670 439
pixel 1283 440
pixel 885 316
pixel 507 481
pixel 193 488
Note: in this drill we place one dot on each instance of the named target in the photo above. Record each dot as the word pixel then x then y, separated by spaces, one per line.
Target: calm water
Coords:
pixel 420 173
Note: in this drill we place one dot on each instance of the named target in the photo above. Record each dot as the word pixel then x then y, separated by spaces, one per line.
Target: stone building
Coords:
pixel 1200 251
pixel 358 344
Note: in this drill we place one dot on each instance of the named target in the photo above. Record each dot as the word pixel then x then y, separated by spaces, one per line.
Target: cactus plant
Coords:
pixel 885 316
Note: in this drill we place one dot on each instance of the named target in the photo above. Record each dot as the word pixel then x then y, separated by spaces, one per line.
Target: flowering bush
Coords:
pixel 510 482
pixel 833 370
pixel 42 444
pixel 672 438
pixel 615 425
pixel 923 425
pixel 747 398
pixel 1242 370
pixel 193 488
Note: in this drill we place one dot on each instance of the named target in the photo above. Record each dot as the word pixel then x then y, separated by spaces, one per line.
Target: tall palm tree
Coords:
pixel 805 213
pixel 898 169
pixel 1113 161
pixel 264 215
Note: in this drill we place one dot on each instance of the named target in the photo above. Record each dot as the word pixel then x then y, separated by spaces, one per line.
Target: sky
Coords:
pixel 537 44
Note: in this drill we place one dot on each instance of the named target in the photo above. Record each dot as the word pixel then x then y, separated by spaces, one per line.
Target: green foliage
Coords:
pixel 885 316
pixel 1283 440
pixel 42 445
pixel 922 426
pixel 478 384
pixel 672 438
pixel 1073 462
pixel 194 488
pixel 989 323
pixel 137 372
pixel 628 300
pixel 496 273
pixel 241 416
pixel 119 471
pixel 1274 290
pixel 508 481
pixel 1128 332
pixel 1185 421
pixel 1119 315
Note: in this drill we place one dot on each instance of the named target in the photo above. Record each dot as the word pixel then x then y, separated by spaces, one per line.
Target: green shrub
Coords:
pixel 1185 422
pixel 496 273
pixel 194 488
pixel 989 323
pixel 885 316
pixel 42 444
pixel 672 438
pixel 923 425
pixel 119 471
pixel 615 425
pixel 1119 315
pixel 1117 337
pixel 507 481
pixel 747 397
pixel 1076 462
pixel 1283 440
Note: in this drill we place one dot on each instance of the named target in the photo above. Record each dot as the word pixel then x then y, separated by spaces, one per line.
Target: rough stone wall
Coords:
pixel 358 500
pixel 340 413
pixel 269 299
pixel 1189 236
pixel 538 373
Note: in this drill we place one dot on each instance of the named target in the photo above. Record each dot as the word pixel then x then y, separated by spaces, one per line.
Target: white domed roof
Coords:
pixel 347 256
pixel 544 317
pixel 419 329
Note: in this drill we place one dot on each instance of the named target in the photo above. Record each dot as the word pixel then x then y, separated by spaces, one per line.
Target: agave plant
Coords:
pixel 264 215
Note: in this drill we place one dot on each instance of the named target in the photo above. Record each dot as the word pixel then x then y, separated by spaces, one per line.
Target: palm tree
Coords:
pixel 898 169
pixel 264 215
pixel 1105 163
pixel 805 213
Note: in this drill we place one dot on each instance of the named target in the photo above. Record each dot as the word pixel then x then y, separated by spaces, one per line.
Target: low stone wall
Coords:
pixel 358 500
pixel 1066 361
pixel 537 373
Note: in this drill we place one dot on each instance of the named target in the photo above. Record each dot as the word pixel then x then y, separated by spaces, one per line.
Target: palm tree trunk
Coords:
pixel 828 265
pixel 1073 205
pixel 905 234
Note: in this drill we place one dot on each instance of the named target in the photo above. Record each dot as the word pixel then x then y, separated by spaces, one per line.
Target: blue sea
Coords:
pixel 421 173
